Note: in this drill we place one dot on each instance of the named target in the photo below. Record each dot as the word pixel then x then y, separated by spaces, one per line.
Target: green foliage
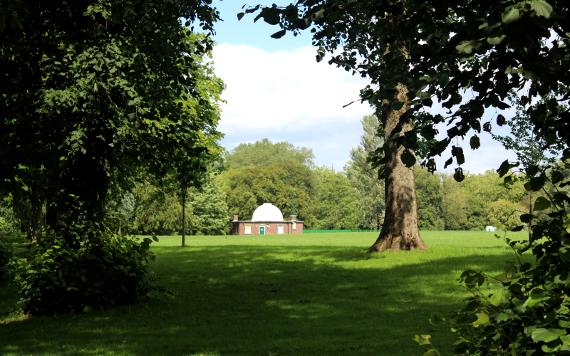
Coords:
pixel 514 317
pixel 92 273
pixel 266 172
pixel 335 203
pixel 467 205
pixel 155 210
pixel 265 153
pixel 365 178
pixel 481 191
pixel 529 309
pixel 210 213
pixel 120 209
pixel 152 208
pixel 455 206
pixel 92 94
pixel 505 214
pixel 429 188
pixel 532 150
pixel 95 91
pixel 8 220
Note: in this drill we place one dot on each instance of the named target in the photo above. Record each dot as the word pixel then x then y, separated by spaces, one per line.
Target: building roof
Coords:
pixel 267 212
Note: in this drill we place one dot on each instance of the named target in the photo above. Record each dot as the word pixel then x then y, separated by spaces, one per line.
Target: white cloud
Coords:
pixel 288 96
pixel 269 91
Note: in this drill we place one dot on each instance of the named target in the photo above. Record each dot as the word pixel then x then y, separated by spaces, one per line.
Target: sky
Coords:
pixel 275 89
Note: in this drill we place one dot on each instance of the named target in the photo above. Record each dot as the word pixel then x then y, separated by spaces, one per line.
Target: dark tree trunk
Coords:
pixel 400 228
pixel 184 192
pixel 28 208
pixel 530 212
pixel 36 203
pixel 77 197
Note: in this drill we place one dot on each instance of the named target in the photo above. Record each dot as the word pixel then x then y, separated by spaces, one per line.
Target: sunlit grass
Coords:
pixel 279 295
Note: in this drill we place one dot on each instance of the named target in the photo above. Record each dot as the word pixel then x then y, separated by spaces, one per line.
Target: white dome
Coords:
pixel 267 212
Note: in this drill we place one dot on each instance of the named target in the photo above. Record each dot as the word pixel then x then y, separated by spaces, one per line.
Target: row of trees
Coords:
pixel 286 176
pixel 354 198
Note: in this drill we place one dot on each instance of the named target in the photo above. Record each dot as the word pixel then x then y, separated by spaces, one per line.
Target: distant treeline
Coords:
pixel 286 176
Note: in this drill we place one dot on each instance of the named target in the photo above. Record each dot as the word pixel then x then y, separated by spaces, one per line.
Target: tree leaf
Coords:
pixel 472 278
pixel 543 334
pixel 501 120
pixel 270 15
pixel 396 105
pixel 541 8
pixel 467 47
pixel 495 40
pixel 557 176
pixel 474 142
pixel 511 14
pixel 536 183
pixel 408 158
pixel 279 34
pixel 536 297
pixel 502 317
pixel 423 339
pixel 482 319
pixel 499 297
pixel 541 203
pixel 457 152
pixel 505 167
pixel 458 175
pixel 565 342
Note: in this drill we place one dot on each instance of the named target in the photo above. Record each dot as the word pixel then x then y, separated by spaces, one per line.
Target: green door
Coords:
pixel 262 230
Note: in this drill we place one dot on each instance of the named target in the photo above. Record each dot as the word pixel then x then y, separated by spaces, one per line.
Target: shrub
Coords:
pixel 528 312
pixel 95 272
pixel 8 220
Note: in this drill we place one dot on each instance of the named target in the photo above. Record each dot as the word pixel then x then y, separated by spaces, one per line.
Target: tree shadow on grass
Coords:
pixel 260 300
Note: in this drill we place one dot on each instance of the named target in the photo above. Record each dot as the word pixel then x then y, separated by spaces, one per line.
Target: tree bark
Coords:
pixel 184 192
pixel 400 228
pixel 36 203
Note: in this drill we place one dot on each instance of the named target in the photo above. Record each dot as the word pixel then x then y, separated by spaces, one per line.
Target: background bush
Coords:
pixel 88 273
pixel 8 220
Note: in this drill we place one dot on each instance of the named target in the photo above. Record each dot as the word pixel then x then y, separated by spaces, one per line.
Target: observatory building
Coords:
pixel 267 219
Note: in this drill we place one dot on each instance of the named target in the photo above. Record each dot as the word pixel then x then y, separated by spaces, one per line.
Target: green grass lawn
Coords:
pixel 314 294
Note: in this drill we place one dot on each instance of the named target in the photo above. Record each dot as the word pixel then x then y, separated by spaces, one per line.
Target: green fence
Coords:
pixel 323 231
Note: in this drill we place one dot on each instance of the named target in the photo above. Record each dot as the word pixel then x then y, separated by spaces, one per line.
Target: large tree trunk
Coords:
pixel 400 228
pixel 184 193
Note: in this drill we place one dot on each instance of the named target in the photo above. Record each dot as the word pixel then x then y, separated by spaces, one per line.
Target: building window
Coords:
pixel 247 229
pixel 280 229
